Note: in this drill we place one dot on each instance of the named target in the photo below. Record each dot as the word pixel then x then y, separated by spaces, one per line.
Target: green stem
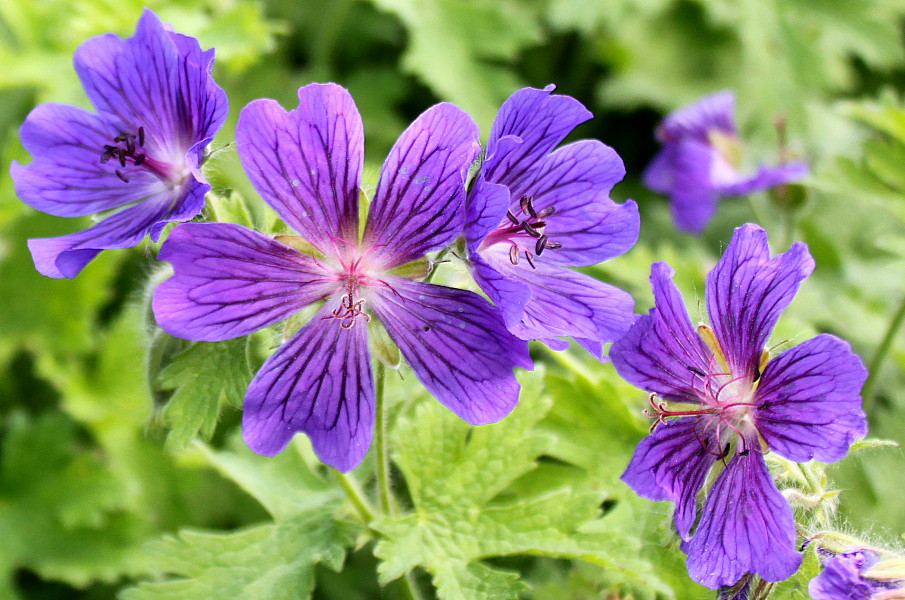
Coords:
pixel 435 263
pixel 385 501
pixel 873 368
pixel 355 497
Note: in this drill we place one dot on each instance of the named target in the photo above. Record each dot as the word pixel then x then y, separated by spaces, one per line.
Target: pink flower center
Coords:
pixel 524 233
pixel 353 272
pixel 129 151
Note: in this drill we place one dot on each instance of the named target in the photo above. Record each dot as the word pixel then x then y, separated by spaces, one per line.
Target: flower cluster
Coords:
pixel 700 158
pixel 530 211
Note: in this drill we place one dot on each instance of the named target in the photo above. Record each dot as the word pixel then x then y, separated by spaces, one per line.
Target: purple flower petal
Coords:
pixel 662 352
pixel 66 255
pixel 747 290
pixel 540 121
pixel 419 202
pixel 746 526
pixel 841 579
pixel 564 302
pixel 66 177
pixel 671 464
pixel 713 111
pixel 156 79
pixel 485 208
pixel 509 295
pixel 306 163
pixel 229 281
pixel 319 382
pixel 658 175
pixel 574 181
pixel 456 344
pixel 692 199
pixel 765 178
pixel 809 405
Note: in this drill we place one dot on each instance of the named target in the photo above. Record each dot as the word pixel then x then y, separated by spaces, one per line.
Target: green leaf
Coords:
pixel 458 477
pixel 206 377
pixel 455 46
pixel 271 561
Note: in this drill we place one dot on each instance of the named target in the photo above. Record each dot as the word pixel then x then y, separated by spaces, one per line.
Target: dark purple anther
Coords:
pixel 530 259
pixel 541 244
pixel 141 136
pixel 512 218
pixel 122 176
pixel 527 205
pixel 530 230
pixel 139 160
pixel 513 254
pixel 554 245
pixel 546 212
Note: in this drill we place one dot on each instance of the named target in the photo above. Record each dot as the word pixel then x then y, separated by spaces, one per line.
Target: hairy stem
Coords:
pixel 384 495
pixel 350 487
pixel 873 368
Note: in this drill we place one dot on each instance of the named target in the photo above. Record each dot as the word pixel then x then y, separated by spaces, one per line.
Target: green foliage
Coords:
pixel 205 378
pixel 269 561
pixel 462 514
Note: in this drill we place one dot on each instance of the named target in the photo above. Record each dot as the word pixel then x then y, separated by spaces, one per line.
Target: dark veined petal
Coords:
pixel 746 526
pixel 66 177
pixel 696 120
pixel 671 464
pixel 66 255
pixel 539 121
pixel 485 208
pixel 575 180
pixel 662 352
pixel 509 295
pixel 419 204
pixel 809 405
pixel 229 281
pixel 747 290
pixel 155 79
pixel 765 178
pixel 565 302
pixel 841 579
pixel 306 163
pixel 319 382
pixel 692 199
pixel 457 345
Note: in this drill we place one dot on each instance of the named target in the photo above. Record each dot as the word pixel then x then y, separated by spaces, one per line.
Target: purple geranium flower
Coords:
pixel 230 281
pixel 844 577
pixel 700 158
pixel 532 211
pixel 724 403
pixel 157 109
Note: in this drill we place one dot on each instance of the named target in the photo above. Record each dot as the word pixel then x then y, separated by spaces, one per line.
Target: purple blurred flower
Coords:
pixel 700 158
pixel 723 402
pixel 533 211
pixel 157 109
pixel 230 281
pixel 843 578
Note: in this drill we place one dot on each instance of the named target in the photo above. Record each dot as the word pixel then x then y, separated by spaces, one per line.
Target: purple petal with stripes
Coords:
pixel 485 208
pixel 746 526
pixel 841 578
pixel 229 281
pixel 306 163
pixel 662 352
pixel 747 290
pixel 457 345
pixel 66 255
pixel 156 79
pixel 509 295
pixel 419 202
pixel 809 405
pixel 536 118
pixel 320 383
pixel 564 302
pixel 671 464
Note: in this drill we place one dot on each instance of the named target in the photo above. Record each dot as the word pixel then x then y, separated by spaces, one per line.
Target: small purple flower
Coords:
pixel 230 281
pixel 724 402
pixel 700 158
pixel 533 211
pixel 139 155
pixel 844 578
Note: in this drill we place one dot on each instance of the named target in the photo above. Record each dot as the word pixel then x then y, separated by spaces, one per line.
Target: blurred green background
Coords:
pixel 95 451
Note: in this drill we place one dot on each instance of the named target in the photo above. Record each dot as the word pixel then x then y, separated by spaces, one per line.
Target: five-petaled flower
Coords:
pixel 724 403
pixel 533 211
pixel 139 155
pixel 859 574
pixel 229 281
pixel 700 158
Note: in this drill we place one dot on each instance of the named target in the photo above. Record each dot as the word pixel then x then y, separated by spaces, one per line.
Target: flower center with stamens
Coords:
pixel 523 232
pixel 354 274
pixel 128 156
